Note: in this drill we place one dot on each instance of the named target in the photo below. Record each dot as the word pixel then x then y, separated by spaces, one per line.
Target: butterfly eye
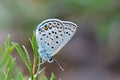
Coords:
pixel 50 60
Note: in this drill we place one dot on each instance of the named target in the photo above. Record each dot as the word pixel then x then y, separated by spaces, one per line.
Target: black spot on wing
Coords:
pixel 49 33
pixel 56 36
pixel 52 31
pixel 47 43
pixel 40 38
pixel 52 47
pixel 57 42
pixel 55 32
pixel 43 34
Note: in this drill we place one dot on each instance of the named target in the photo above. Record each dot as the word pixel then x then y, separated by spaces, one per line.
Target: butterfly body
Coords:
pixel 52 35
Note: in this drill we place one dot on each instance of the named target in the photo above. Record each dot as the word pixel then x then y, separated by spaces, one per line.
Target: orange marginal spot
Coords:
pixel 46 28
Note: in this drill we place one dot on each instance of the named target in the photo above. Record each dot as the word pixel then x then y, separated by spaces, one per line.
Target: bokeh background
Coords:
pixel 94 51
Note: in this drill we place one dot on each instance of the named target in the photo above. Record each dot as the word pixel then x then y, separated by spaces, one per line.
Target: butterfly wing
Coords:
pixel 49 34
pixel 69 31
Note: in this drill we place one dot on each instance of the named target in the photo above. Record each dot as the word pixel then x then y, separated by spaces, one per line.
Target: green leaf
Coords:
pixel 18 75
pixel 6 54
pixel 21 54
pixel 34 47
pixel 45 78
pixel 52 76
pixel 27 57
pixel 1 50
pixel 2 76
pixel 11 48
pixel 7 43
pixel 35 52
pixel 10 68
pixel 34 44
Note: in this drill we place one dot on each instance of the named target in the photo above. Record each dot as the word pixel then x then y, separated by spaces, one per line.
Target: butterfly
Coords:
pixel 52 35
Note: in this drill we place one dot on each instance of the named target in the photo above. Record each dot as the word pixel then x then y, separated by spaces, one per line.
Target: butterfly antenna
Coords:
pixel 58 64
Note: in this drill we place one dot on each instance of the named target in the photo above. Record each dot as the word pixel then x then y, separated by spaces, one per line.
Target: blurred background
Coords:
pixel 94 51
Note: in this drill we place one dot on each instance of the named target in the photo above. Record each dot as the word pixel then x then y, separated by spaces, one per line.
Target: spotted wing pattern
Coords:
pixel 69 31
pixel 52 35
pixel 49 34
